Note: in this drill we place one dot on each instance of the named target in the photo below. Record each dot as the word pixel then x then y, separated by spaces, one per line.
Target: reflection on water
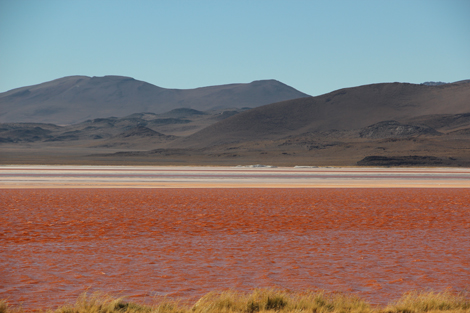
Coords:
pixel 377 243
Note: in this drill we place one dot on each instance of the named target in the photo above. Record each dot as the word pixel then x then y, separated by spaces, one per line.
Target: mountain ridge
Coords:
pixel 74 99
pixel 343 109
pixel 386 124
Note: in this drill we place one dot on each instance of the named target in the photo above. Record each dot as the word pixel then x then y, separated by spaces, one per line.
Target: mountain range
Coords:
pixel 341 110
pixel 386 124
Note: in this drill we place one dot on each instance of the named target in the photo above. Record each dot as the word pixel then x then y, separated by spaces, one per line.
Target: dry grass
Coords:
pixel 269 300
pixel 414 302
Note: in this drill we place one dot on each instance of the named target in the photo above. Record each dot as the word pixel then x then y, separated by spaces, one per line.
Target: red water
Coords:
pixel 377 243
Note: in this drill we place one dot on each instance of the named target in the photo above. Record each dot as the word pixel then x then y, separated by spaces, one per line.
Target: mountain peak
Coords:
pixel 74 99
pixel 112 78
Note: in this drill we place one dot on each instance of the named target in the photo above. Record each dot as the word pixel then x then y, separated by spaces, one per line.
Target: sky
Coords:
pixel 313 46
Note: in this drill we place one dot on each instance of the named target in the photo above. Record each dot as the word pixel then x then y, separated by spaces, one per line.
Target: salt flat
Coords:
pixel 46 176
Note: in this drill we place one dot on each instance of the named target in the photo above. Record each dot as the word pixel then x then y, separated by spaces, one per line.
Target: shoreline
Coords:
pixel 66 176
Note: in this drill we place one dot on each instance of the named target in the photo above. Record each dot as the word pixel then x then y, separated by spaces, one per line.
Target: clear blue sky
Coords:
pixel 314 46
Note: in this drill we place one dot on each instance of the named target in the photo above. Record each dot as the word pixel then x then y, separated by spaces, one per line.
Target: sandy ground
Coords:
pixel 46 176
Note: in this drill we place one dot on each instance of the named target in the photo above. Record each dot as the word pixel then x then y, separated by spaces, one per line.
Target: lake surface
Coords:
pixel 374 242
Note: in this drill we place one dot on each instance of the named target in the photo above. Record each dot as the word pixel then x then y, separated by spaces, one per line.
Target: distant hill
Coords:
pixel 389 124
pixel 343 110
pixel 164 127
pixel 75 99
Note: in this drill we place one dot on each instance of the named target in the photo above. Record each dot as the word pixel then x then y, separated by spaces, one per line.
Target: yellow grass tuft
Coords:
pixel 418 301
pixel 269 300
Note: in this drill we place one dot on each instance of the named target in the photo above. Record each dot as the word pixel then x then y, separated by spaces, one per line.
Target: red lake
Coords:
pixel 145 243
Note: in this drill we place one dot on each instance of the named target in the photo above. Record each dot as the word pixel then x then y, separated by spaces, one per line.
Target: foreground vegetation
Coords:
pixel 268 300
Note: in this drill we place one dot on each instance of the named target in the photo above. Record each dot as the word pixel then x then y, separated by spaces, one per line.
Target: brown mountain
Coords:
pixel 75 99
pixel 391 124
pixel 342 110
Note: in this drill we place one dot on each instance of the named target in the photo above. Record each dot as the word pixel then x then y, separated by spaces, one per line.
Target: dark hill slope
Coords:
pixel 345 109
pixel 74 99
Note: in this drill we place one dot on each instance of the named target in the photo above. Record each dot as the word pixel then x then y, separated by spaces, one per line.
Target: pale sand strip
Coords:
pixel 330 184
pixel 17 177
